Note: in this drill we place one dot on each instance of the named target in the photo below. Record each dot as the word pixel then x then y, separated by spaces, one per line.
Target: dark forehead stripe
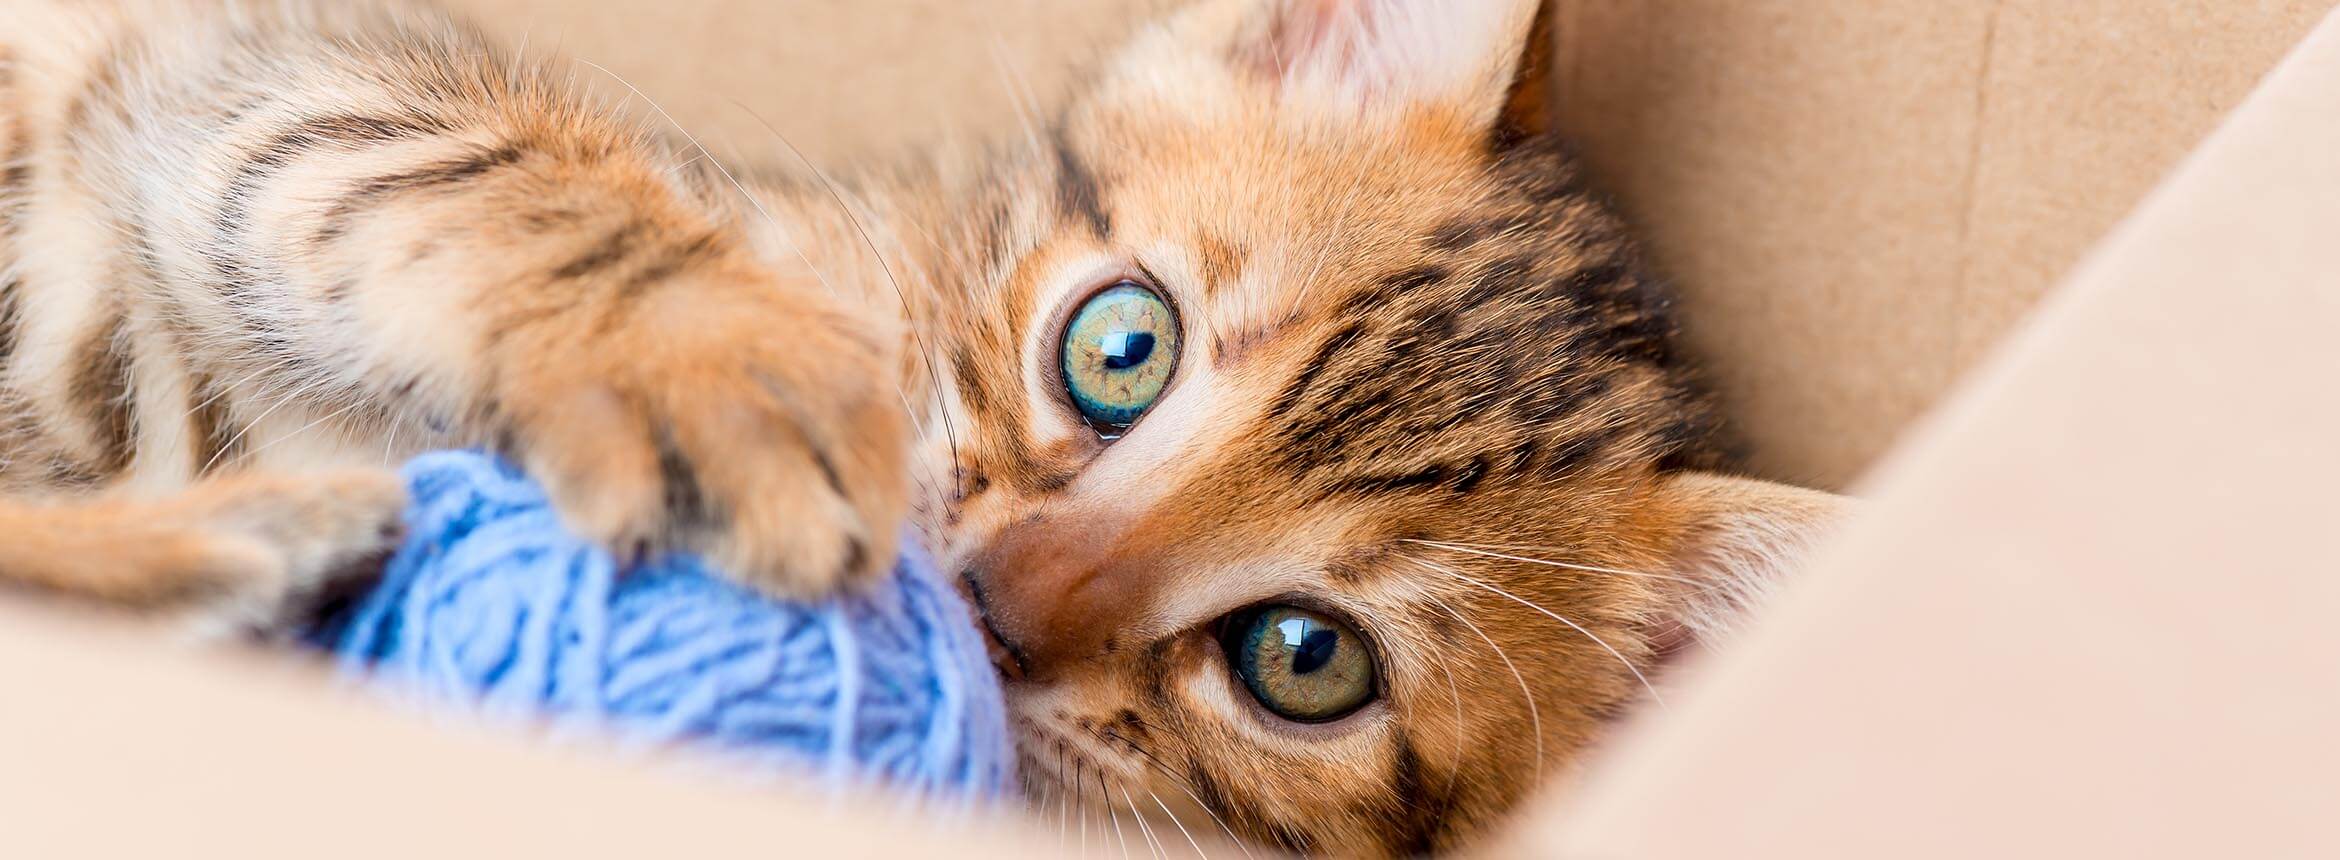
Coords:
pixel 1221 259
pixel 972 391
pixel 1076 188
pixel 1530 327
pixel 1304 381
pixel 1393 288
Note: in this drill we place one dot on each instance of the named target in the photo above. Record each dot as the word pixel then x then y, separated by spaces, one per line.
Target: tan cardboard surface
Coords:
pixel 2090 613
pixel 114 745
pixel 1857 197
pixel 844 79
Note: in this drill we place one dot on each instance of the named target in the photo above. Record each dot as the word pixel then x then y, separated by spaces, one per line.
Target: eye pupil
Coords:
pixel 1126 349
pixel 1302 665
pixel 1118 352
pixel 1315 649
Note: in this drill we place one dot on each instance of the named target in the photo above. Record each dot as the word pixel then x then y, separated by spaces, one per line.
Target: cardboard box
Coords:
pixel 2088 611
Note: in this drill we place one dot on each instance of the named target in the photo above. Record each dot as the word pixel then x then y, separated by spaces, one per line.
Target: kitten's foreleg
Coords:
pixel 379 211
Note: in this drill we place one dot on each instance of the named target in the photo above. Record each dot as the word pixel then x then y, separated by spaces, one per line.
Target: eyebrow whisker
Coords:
pixel 1487 550
pixel 1597 640
pixel 1454 698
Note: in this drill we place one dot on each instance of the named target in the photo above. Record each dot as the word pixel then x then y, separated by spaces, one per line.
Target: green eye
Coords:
pixel 1119 351
pixel 1302 665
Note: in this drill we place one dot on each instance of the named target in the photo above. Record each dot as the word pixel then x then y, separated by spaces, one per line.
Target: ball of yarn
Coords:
pixel 493 607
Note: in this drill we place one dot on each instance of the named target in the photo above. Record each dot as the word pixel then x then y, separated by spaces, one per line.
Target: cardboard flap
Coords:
pixel 115 744
pixel 2090 611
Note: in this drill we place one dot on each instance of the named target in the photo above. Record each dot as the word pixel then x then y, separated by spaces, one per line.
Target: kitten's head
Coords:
pixel 1312 439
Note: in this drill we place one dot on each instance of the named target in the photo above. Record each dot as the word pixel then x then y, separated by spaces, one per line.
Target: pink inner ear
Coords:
pixel 1316 34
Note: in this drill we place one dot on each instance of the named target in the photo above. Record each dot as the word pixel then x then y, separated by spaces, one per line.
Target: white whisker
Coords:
pixel 719 168
pixel 1535 719
pixel 1486 550
pixel 390 436
pixel 1333 238
pixel 1063 801
pixel 1106 800
pixel 925 350
pixel 1180 783
pixel 1240 845
pixel 1017 93
pixel 1597 640
pixel 225 389
pixel 1174 822
pixel 286 398
pixel 1454 697
pixel 302 429
pixel 1144 831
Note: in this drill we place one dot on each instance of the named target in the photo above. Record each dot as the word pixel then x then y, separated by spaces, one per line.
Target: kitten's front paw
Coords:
pixel 757 426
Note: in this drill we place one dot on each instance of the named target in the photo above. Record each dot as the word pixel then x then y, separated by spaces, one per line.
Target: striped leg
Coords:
pixel 229 555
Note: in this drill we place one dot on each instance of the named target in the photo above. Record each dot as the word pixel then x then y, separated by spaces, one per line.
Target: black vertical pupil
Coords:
pixel 1315 649
pixel 1127 349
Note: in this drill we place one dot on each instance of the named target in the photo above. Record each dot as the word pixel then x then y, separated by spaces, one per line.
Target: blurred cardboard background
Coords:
pixel 1859 197
pixel 2087 612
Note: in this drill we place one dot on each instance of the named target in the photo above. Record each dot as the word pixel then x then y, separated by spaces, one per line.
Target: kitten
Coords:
pixel 1310 438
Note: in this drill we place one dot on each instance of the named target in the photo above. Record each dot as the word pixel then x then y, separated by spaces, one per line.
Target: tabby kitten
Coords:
pixel 1309 437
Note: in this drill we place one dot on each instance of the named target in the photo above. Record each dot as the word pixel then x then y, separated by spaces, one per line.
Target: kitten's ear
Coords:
pixel 1485 58
pixel 1737 538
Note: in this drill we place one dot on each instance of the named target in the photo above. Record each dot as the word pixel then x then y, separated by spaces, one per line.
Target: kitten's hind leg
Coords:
pixel 234 555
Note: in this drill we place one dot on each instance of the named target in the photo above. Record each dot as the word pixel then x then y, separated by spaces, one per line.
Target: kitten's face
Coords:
pixel 1285 351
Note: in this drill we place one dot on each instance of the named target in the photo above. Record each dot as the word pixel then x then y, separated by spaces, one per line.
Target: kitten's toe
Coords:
pixel 753 422
pixel 276 548
pixel 798 534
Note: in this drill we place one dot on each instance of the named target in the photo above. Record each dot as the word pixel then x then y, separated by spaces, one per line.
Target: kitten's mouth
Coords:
pixel 1006 658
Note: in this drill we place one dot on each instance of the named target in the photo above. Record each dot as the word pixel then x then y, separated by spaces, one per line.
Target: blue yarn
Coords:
pixel 491 606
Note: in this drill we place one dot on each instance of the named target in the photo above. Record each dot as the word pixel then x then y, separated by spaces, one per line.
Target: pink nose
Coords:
pixel 1054 593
